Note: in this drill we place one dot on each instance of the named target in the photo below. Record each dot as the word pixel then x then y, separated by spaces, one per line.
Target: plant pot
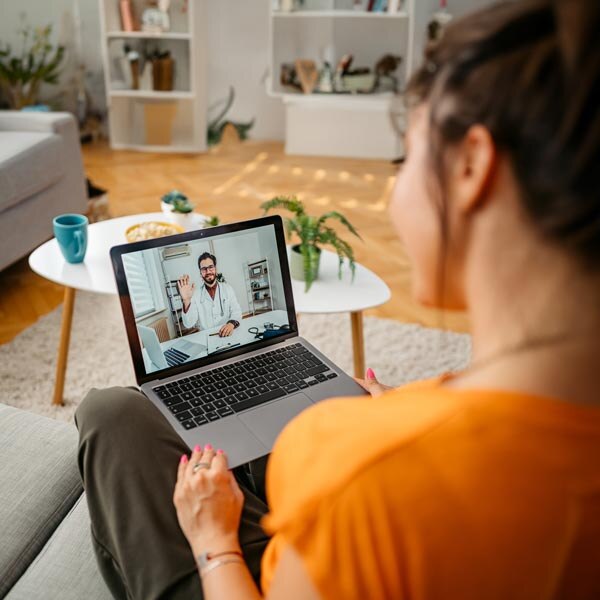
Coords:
pixel 186 220
pixel 297 264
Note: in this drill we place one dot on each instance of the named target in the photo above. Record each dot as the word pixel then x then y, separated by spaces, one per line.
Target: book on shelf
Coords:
pixel 128 20
pixel 380 6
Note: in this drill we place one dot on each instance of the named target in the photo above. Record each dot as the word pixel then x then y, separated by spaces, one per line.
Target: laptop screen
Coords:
pixel 199 298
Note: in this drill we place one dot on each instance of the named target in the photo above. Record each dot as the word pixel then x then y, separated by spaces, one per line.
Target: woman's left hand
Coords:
pixel 208 501
pixel 371 385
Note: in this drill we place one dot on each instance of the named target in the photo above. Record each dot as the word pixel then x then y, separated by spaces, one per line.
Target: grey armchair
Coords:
pixel 41 176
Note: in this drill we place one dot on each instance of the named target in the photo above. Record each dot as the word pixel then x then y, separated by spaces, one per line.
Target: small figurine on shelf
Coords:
pixel 438 21
pixel 133 58
pixel 307 74
pixel 155 18
pixel 384 72
pixel 288 76
pixel 341 70
pixel 325 79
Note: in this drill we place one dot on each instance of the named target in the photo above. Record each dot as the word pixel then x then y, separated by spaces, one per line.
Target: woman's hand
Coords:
pixel 208 502
pixel 371 384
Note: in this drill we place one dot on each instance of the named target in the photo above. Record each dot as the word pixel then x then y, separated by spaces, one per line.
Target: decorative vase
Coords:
pixel 297 264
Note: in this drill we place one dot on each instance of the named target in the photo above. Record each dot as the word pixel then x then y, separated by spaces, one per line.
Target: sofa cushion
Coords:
pixel 66 567
pixel 39 484
pixel 29 162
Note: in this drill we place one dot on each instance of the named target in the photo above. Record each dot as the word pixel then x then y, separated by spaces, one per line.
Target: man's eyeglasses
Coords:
pixel 207 269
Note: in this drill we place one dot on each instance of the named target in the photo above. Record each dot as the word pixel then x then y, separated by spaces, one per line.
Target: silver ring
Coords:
pixel 201 465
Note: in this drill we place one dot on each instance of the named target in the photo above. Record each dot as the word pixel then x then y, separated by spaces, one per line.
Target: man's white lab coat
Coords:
pixel 206 313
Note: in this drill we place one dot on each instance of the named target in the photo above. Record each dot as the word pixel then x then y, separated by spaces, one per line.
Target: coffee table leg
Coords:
pixel 63 346
pixel 358 343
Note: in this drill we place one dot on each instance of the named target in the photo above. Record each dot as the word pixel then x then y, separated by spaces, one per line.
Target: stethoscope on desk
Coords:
pixel 270 331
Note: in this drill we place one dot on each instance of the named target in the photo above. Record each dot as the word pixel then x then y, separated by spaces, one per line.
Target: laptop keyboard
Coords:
pixel 175 357
pixel 224 391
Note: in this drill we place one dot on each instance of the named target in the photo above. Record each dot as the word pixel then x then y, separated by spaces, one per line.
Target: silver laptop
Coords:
pixel 235 391
pixel 160 357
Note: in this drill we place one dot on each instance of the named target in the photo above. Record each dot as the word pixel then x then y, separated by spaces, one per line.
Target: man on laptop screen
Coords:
pixel 214 304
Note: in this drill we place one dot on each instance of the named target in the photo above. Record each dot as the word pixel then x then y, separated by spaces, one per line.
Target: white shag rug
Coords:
pixel 99 353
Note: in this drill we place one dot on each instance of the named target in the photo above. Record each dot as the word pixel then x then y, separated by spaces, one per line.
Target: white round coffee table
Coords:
pixel 94 274
pixel 329 294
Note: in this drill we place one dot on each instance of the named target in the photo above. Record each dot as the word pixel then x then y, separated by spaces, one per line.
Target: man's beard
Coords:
pixel 209 279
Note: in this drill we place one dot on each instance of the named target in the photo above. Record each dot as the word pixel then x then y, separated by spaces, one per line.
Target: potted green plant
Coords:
pixel 212 221
pixel 22 74
pixel 313 231
pixel 177 205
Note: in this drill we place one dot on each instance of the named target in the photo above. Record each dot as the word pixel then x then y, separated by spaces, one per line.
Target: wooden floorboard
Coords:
pixel 231 181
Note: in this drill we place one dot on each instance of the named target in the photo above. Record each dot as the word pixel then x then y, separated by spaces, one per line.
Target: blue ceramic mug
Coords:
pixel 71 234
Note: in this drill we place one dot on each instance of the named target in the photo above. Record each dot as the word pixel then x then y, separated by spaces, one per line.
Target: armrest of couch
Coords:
pixel 62 123
pixel 37 488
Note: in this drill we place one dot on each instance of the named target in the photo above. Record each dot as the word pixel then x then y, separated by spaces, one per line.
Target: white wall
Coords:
pixel 268 250
pixel 232 253
pixel 238 39
pixel 238 42
pixel 61 14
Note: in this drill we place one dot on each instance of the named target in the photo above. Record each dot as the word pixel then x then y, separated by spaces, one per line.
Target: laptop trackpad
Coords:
pixel 266 422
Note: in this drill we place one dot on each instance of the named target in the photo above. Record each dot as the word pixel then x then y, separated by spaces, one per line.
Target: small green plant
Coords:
pixel 313 232
pixel 22 74
pixel 182 206
pixel 217 125
pixel 212 221
pixel 179 201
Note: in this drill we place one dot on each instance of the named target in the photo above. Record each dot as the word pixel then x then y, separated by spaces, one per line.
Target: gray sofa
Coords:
pixel 45 543
pixel 41 176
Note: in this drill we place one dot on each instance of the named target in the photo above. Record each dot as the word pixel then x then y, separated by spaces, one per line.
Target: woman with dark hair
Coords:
pixel 481 484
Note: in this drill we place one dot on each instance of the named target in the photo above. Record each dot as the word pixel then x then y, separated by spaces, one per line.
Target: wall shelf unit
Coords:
pixel 148 119
pixel 258 286
pixel 352 125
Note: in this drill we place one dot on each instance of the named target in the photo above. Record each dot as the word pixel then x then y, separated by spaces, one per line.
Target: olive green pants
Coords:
pixel 128 458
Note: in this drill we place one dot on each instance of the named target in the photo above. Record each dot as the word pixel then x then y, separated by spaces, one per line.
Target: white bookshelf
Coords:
pixel 262 281
pixel 352 125
pixel 185 105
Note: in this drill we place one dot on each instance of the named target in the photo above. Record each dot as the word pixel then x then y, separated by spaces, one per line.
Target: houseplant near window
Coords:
pixel 313 232
pixel 21 75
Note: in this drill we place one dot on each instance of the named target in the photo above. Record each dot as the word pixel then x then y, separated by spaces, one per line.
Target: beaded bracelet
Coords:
pixel 219 563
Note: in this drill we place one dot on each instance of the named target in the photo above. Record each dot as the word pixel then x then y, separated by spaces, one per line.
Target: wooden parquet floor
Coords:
pixel 231 181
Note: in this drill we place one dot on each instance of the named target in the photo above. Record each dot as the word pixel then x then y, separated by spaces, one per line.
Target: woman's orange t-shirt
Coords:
pixel 426 492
